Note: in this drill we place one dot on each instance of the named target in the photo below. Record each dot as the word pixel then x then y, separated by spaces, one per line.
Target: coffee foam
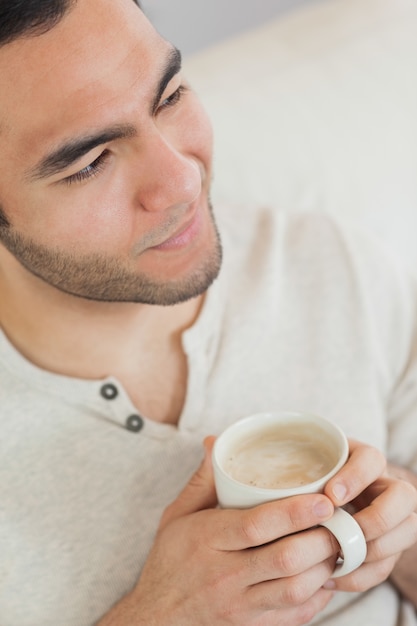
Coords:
pixel 282 456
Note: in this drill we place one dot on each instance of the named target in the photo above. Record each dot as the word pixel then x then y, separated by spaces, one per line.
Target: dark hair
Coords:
pixel 31 17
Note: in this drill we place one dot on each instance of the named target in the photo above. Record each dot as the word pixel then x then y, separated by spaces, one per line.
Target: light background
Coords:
pixel 192 25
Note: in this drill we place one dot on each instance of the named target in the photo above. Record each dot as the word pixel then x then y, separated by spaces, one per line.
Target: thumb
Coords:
pixel 198 494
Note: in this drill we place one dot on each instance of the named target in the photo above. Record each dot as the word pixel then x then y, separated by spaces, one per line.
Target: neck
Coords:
pixel 82 338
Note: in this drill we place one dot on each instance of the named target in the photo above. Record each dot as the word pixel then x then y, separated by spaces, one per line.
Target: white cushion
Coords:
pixel 318 110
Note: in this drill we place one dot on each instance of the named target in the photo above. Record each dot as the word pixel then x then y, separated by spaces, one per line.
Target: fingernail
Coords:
pixel 339 491
pixel 323 508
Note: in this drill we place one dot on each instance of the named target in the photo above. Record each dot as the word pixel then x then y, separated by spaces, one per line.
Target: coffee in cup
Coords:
pixel 270 456
pixel 281 457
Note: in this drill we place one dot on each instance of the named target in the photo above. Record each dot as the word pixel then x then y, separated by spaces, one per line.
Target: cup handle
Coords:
pixel 351 539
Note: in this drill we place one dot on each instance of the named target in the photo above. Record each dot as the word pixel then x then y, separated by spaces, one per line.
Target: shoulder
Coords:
pixel 314 244
pixel 332 268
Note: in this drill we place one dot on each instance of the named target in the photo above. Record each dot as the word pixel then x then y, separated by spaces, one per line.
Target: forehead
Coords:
pixel 77 74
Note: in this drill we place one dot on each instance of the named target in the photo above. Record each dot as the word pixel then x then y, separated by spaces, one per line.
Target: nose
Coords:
pixel 169 177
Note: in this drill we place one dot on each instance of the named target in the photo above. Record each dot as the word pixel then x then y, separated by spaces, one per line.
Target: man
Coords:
pixel 124 345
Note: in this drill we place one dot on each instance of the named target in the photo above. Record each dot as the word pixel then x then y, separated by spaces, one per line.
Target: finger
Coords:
pixel 198 494
pixel 395 503
pixel 304 613
pixel 290 556
pixel 367 576
pixel 364 466
pixel 289 592
pixel 394 542
pixel 382 554
pixel 241 529
pixel 299 615
pixel 371 493
pixel 247 610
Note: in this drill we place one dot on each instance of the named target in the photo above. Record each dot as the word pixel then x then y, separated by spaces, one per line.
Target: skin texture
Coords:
pixel 141 224
pixel 100 236
pixel 256 571
pixel 143 221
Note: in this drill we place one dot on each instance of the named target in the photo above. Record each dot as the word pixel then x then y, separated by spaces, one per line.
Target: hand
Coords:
pixel 404 574
pixel 385 511
pixel 244 568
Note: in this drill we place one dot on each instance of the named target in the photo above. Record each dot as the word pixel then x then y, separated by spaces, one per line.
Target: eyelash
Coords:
pixel 174 98
pixel 96 167
pixel 90 170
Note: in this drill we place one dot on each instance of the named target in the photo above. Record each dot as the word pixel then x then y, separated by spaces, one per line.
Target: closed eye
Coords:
pixel 91 170
pixel 98 165
pixel 174 98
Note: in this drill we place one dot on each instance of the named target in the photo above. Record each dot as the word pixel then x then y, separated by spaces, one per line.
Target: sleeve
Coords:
pixel 389 291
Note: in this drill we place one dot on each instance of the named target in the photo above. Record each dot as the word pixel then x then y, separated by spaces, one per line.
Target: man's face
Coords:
pixel 105 160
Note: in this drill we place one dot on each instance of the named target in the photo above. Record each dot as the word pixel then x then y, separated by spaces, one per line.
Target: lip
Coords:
pixel 183 236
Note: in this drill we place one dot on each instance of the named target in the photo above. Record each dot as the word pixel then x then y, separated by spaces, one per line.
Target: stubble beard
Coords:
pixel 100 278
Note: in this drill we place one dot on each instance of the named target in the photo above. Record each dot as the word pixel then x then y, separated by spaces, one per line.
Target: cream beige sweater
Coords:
pixel 304 316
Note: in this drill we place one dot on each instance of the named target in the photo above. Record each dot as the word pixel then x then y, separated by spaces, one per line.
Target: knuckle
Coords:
pixel 252 527
pixel 295 593
pixel 286 558
pixel 300 513
pixel 296 517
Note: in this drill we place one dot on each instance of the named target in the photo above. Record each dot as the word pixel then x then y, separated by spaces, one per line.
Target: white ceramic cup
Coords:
pixel 273 456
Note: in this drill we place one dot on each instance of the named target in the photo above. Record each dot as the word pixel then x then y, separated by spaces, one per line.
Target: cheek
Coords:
pixel 89 219
pixel 96 220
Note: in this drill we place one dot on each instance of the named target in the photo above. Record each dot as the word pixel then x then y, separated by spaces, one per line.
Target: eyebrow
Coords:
pixel 71 151
pixel 172 67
